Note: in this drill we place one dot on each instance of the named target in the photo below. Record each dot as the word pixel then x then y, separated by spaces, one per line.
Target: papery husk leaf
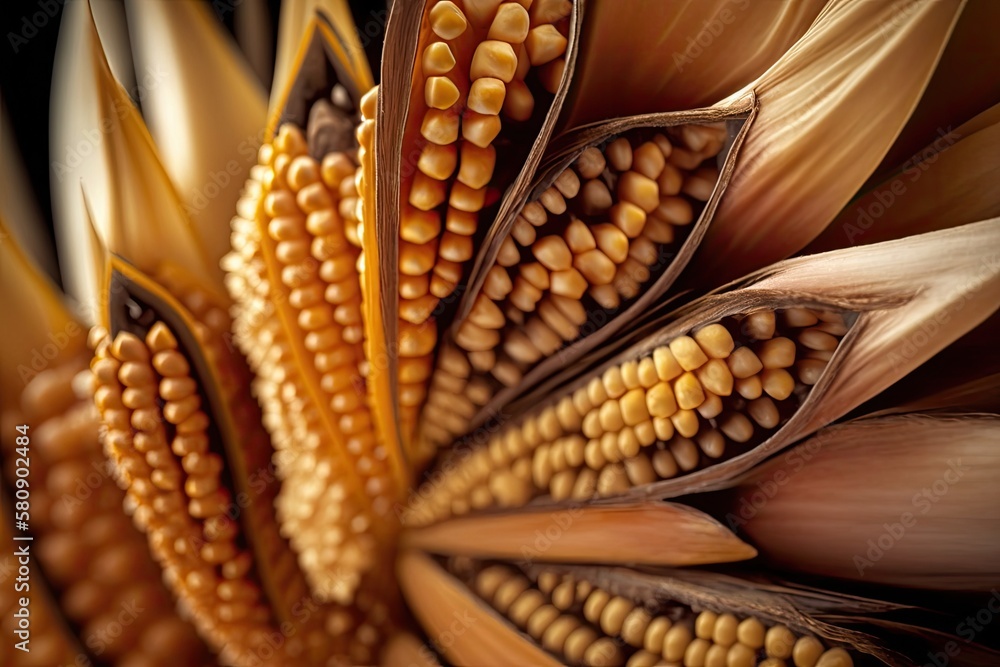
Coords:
pixel 36 311
pixel 644 56
pixel 739 117
pixel 204 107
pixel 437 599
pixel 252 25
pixel 803 610
pixel 962 86
pixel 828 115
pixel 953 181
pixel 100 142
pixel 647 533
pixel 912 297
pixel 294 25
pixel 965 376
pixel 932 523
pixel 112 27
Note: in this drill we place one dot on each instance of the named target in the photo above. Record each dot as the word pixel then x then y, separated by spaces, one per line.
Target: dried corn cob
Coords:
pixel 97 565
pixel 686 404
pixel 577 253
pixel 487 78
pixel 581 619
pixel 298 284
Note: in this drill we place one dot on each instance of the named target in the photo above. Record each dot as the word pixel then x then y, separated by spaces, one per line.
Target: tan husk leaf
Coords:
pixel 654 55
pixel 438 599
pixel 645 533
pixel 200 77
pixel 931 523
pixel 135 209
pixel 826 120
pixel 952 181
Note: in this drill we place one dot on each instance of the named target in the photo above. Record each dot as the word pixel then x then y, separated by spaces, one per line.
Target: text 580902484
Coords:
pixel 22 551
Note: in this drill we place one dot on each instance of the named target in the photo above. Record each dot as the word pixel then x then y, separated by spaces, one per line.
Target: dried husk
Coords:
pixel 825 123
pixel 647 56
pixel 200 77
pixel 136 211
pixel 637 533
pixel 931 523
pixel 952 181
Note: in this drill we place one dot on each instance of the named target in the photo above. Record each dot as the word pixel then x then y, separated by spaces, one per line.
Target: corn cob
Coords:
pixel 689 403
pixel 573 256
pixel 168 425
pixel 485 74
pixel 98 563
pixel 582 622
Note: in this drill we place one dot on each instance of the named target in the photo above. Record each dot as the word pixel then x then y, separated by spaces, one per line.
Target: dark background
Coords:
pixel 26 75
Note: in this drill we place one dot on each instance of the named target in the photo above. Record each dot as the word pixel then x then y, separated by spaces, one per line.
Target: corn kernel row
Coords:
pixel 479 62
pixel 586 244
pixel 297 235
pixel 686 404
pixel 96 561
pixel 585 624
